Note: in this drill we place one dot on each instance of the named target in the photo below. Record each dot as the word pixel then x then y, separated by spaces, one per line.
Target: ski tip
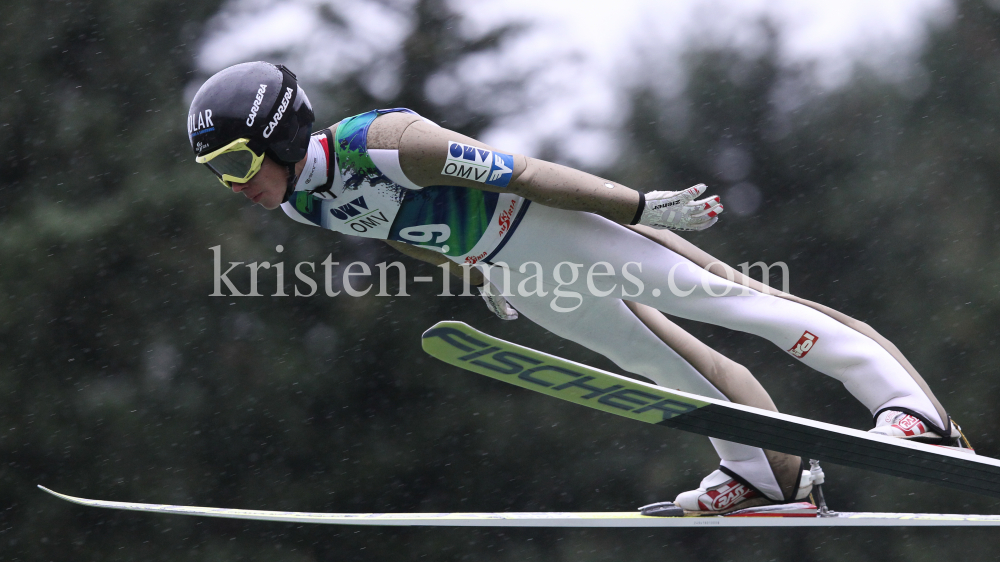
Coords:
pixel 56 494
pixel 429 332
pixel 451 331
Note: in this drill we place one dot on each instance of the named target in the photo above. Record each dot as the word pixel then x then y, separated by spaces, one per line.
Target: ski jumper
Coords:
pixel 367 194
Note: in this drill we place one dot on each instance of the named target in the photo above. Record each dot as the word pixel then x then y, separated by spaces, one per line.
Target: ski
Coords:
pixel 795 515
pixel 463 346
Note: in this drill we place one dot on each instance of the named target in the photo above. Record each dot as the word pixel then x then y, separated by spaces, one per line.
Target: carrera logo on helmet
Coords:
pixel 256 105
pixel 278 114
pixel 200 122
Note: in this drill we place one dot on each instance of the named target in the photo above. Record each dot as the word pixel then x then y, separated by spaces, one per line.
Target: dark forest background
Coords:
pixel 120 378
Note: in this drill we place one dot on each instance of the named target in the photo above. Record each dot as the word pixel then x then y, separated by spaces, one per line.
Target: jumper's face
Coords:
pixel 266 187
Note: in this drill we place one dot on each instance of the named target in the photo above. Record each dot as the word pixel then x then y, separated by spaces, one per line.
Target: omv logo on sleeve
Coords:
pixel 478 164
pixel 502 169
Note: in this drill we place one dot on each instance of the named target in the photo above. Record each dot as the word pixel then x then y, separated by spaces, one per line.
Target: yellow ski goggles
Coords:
pixel 235 162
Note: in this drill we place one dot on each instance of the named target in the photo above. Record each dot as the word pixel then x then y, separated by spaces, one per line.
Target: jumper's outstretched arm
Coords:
pixel 423 156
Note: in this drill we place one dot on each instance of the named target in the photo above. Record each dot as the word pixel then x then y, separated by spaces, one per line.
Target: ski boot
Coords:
pixel 723 492
pixel 893 423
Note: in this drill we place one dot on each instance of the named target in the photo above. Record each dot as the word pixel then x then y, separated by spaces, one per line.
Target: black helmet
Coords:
pixel 258 102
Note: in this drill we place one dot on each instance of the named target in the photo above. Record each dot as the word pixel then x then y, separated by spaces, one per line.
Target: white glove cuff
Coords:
pixel 497 303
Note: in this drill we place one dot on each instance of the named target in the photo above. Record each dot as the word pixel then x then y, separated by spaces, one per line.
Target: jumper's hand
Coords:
pixel 678 210
pixel 496 302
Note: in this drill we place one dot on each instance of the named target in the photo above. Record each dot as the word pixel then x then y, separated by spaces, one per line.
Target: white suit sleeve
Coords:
pixel 387 161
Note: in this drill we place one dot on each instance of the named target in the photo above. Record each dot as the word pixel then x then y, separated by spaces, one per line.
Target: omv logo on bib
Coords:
pixel 478 164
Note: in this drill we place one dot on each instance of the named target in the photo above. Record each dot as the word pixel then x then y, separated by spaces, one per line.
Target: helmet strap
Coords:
pixel 292 178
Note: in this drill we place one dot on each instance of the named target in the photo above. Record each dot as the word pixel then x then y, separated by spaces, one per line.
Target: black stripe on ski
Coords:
pixel 798 439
